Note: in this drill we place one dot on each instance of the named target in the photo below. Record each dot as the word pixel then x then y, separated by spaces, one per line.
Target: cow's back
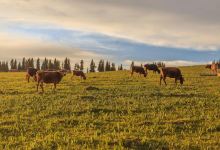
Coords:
pixel 49 76
pixel 171 72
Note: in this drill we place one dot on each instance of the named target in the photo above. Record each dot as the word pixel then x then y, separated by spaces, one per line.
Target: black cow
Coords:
pixel 138 69
pixel 171 72
pixel 152 67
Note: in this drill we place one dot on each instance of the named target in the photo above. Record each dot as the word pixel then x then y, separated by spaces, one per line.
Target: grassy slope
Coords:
pixel 122 112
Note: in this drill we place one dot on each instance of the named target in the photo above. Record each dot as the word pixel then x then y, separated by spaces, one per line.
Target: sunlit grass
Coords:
pixel 111 110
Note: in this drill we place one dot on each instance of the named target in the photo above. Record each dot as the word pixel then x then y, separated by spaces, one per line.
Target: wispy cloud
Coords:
pixel 165 23
pixel 115 29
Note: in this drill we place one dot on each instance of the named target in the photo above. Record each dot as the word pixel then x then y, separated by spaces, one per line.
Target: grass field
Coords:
pixel 111 110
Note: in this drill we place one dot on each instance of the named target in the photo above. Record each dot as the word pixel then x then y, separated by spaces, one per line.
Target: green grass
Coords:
pixel 111 110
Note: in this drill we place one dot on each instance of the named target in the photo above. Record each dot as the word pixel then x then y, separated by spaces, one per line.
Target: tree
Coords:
pixel 23 65
pixel 38 64
pixel 120 67
pixel 19 66
pixel 56 64
pixel 132 64
pixel 113 67
pixel 81 65
pixel 4 66
pixel 108 66
pixel 101 66
pixel 77 67
pixel 67 65
pixel 92 66
pixel 44 65
pixel 50 64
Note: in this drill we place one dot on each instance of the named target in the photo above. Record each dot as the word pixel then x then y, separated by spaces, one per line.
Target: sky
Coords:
pixel 184 32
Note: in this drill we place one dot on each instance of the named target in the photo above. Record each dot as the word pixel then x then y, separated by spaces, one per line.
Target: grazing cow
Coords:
pixel 208 66
pixel 171 72
pixel 138 69
pixel 214 68
pixel 31 72
pixel 79 74
pixel 153 67
pixel 49 77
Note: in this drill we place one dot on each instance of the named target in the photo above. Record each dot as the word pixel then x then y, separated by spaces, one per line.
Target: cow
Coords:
pixel 153 67
pixel 214 68
pixel 171 72
pixel 47 77
pixel 31 72
pixel 79 74
pixel 208 66
pixel 138 69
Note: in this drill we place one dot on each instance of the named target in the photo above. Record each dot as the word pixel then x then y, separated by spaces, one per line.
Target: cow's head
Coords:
pixel 63 73
pixel 158 71
pixel 181 80
pixel 208 66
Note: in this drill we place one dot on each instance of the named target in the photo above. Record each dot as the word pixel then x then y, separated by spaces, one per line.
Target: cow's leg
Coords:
pixel 28 77
pixel 38 85
pixel 42 86
pixel 55 86
pixel 132 73
pixel 161 79
pixel 35 78
pixel 176 81
pixel 164 80
pixel 72 77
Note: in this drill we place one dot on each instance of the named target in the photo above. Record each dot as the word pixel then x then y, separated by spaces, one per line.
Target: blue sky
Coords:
pixel 97 29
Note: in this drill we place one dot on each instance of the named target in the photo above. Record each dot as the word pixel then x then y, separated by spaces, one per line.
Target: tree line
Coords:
pixel 159 64
pixel 47 64
pixel 55 64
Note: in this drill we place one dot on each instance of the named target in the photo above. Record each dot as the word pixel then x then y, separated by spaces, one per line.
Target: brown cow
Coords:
pixel 138 69
pixel 171 72
pixel 152 67
pixel 79 74
pixel 214 68
pixel 31 72
pixel 49 77
pixel 208 66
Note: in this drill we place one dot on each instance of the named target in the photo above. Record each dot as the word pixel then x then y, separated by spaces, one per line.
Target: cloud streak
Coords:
pixel 162 23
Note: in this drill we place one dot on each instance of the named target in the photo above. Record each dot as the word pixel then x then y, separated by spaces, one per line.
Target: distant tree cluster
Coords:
pixel 4 66
pixel 120 67
pixel 108 66
pixel 67 64
pixel 55 64
pixel 49 64
pixel 160 64
pixel 79 66
pixel 216 62
pixel 92 66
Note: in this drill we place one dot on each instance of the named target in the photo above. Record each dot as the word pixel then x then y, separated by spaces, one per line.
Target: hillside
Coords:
pixel 111 110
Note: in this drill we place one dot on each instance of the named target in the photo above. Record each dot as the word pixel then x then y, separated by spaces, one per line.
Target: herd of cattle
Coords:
pixel 49 76
pixel 54 77
pixel 171 72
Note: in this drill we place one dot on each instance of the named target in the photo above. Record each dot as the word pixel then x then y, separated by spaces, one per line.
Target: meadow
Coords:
pixel 111 110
